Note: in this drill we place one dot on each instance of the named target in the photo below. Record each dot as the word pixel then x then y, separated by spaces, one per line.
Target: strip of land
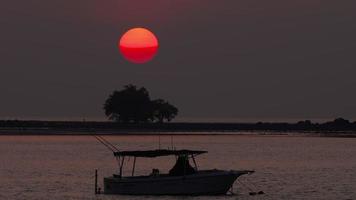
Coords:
pixel 339 127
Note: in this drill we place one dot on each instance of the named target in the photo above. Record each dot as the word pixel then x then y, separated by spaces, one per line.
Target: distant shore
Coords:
pixel 337 128
pixel 39 132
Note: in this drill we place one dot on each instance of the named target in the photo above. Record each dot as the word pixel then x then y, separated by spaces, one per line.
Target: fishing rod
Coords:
pixel 106 143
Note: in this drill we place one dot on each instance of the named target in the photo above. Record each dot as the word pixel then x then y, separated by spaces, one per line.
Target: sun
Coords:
pixel 138 45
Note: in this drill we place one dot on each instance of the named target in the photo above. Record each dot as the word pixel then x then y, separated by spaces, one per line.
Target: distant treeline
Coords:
pixel 337 125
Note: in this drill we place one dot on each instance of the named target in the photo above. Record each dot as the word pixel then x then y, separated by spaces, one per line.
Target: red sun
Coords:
pixel 138 45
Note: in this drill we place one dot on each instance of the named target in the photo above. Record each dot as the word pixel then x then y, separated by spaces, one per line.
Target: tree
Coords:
pixel 162 110
pixel 131 104
pixel 338 124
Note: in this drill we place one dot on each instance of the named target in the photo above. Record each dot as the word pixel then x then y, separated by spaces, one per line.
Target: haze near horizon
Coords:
pixel 223 60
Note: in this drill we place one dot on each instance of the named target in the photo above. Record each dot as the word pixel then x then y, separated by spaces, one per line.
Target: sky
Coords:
pixel 241 60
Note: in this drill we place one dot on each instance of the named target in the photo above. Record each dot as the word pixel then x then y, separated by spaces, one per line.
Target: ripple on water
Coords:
pixel 62 167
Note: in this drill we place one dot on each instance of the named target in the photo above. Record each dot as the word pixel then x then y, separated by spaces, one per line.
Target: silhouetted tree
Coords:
pixel 131 104
pixel 338 124
pixel 162 110
pixel 306 124
pixel 341 122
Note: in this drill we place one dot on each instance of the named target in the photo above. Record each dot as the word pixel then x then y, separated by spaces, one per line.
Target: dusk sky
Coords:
pixel 218 59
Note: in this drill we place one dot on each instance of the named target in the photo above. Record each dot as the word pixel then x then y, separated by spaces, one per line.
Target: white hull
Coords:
pixel 209 182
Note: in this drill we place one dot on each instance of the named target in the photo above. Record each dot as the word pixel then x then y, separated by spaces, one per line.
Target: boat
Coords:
pixel 182 179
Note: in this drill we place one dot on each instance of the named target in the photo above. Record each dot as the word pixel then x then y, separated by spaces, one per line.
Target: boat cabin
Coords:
pixel 182 166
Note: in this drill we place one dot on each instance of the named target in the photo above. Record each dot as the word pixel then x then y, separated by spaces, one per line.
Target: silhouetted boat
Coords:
pixel 182 179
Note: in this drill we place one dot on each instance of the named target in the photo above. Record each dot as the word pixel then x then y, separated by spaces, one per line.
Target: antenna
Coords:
pixel 172 142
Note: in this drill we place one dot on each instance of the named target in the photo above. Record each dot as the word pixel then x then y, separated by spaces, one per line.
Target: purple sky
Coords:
pixel 243 59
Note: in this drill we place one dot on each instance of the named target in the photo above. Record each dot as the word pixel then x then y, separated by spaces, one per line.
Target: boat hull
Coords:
pixel 213 182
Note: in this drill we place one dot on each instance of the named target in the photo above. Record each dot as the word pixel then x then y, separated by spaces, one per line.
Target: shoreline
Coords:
pixel 337 128
pixel 140 132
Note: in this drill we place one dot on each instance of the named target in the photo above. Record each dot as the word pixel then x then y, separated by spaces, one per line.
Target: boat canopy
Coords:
pixel 157 153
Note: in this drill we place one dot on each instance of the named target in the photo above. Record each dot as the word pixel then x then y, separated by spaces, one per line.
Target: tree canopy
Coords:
pixel 163 110
pixel 133 104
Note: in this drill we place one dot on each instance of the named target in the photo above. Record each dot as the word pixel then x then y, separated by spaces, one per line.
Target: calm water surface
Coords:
pixel 62 167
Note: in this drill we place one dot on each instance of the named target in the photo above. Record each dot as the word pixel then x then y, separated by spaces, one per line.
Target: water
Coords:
pixel 62 167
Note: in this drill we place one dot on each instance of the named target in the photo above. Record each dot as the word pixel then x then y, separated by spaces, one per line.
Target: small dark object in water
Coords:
pixel 252 193
pixel 261 192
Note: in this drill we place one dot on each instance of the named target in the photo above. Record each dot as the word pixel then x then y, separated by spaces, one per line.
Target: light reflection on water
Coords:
pixel 62 167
